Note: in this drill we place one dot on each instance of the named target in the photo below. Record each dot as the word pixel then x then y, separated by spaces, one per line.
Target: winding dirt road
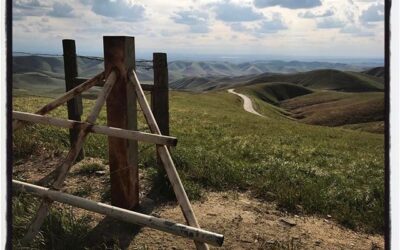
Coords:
pixel 247 104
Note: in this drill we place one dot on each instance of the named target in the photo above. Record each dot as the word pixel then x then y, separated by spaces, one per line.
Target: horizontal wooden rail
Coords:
pixel 147 87
pixel 80 80
pixel 122 214
pixel 109 131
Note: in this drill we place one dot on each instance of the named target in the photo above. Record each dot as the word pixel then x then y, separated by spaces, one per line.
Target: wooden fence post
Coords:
pixel 119 55
pixel 74 105
pixel 160 100
pixel 159 95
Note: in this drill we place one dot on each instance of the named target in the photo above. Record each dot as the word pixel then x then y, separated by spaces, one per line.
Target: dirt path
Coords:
pixel 248 223
pixel 247 104
pixel 245 221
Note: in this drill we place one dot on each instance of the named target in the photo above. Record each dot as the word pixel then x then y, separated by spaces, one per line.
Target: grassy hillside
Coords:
pixel 336 108
pixel 275 92
pixel 327 79
pixel 201 84
pixel 305 169
pixel 353 110
pixel 377 71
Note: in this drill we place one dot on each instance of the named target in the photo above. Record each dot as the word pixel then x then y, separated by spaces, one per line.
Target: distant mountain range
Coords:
pixel 47 74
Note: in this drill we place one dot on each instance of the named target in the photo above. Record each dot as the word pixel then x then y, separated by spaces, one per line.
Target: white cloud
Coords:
pixel 61 10
pixel 311 14
pixel 232 12
pixel 24 8
pixel 117 9
pixel 272 25
pixel 374 13
pixel 239 27
pixel 196 20
pixel 207 26
pixel 356 31
pixel 27 4
pixel 290 4
pixel 330 23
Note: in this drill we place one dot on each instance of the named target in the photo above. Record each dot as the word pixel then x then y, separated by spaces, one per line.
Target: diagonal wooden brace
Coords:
pixel 64 98
pixel 70 159
pixel 167 161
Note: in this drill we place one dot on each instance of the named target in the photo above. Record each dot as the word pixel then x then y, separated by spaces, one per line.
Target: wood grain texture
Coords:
pixel 119 55
pixel 122 214
pixel 74 106
pixel 167 161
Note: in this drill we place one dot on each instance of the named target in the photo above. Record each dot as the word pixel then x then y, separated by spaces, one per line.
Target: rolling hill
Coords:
pixel 275 92
pixel 326 79
pixel 292 93
pixel 181 69
pixel 338 109
pixel 377 71
pixel 182 74
pixel 354 110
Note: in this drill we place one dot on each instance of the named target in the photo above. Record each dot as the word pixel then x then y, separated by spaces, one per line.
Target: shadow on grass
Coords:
pixel 111 233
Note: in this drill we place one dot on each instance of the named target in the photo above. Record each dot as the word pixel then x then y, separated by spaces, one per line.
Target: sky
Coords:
pixel 274 28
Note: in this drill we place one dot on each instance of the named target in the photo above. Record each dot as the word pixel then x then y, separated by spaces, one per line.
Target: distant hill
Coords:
pixel 361 110
pixel 201 84
pixel 377 71
pixel 53 65
pixel 355 110
pixel 30 71
pixel 326 79
pixel 275 92
pixel 179 69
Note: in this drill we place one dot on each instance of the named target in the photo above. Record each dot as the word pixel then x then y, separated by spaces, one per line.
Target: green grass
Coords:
pixel 305 168
pixel 61 229
pixel 275 92
pixel 372 127
pixel 328 79
pixel 331 108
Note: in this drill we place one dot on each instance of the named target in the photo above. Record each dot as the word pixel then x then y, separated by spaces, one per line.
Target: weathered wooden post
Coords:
pixel 159 95
pixel 119 55
pixel 74 105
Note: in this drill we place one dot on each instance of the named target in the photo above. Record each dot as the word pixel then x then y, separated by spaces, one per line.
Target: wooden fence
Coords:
pixel 121 92
pixel 158 91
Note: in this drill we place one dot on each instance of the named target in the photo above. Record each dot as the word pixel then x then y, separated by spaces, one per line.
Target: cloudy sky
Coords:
pixel 315 28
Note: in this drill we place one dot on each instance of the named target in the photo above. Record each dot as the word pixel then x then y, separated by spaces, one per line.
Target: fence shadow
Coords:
pixel 111 232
